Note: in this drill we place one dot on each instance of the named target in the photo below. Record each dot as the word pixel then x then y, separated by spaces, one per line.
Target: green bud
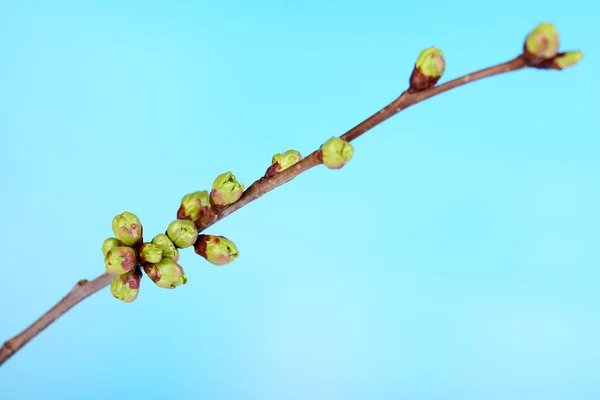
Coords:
pixel 109 244
pixel 336 153
pixel 150 253
pixel 166 273
pixel 428 70
pixel 182 232
pixel 542 43
pixel 127 228
pixel 216 249
pixel 568 59
pixel 431 62
pixel 285 160
pixel 126 287
pixel 226 190
pixel 167 246
pixel 194 205
pixel 120 260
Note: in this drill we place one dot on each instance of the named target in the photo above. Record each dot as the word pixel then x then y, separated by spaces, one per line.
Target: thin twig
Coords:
pixel 80 291
pixel 84 289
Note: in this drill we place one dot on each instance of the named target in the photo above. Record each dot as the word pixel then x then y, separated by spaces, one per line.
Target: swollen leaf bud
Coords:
pixel 225 190
pixel 166 273
pixel 336 153
pixel 428 69
pixel 126 287
pixel 216 249
pixel 109 244
pixel 166 245
pixel 541 44
pixel 568 59
pixel 182 232
pixel 194 205
pixel 150 253
pixel 120 260
pixel 285 160
pixel 127 228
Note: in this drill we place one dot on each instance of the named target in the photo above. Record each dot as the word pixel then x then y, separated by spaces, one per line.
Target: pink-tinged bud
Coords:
pixel 225 190
pixel 194 205
pixel 216 249
pixel 428 70
pixel 150 253
pixel 120 260
pixel 167 246
pixel 336 153
pixel 128 229
pixel 126 287
pixel 285 160
pixel 109 244
pixel 166 273
pixel 182 232
pixel 541 44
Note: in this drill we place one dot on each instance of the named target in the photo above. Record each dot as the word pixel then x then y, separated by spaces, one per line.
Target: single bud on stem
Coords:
pixel 225 190
pixel 109 244
pixel 120 260
pixel 335 153
pixel 283 161
pixel 150 253
pixel 126 287
pixel 541 44
pixel 166 273
pixel 566 60
pixel 167 246
pixel 428 70
pixel 194 205
pixel 182 232
pixel 216 249
pixel 128 229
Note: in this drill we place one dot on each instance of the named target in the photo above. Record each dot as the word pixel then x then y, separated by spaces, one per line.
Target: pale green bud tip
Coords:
pixel 109 244
pixel 194 205
pixel 126 287
pixel 167 246
pixel 336 153
pixel 286 160
pixel 431 63
pixel 226 190
pixel 120 260
pixel 216 249
pixel 543 41
pixel 166 273
pixel 568 59
pixel 182 232
pixel 150 253
pixel 127 228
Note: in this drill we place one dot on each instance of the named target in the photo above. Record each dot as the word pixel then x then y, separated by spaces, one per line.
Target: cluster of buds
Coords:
pixel 126 255
pixel 541 46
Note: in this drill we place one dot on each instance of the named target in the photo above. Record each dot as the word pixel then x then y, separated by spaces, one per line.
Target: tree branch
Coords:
pixel 84 289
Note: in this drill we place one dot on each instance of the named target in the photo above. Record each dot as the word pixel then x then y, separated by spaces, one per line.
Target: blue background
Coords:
pixel 456 257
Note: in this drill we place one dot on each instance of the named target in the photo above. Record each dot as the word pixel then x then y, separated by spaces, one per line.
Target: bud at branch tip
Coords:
pixel 541 44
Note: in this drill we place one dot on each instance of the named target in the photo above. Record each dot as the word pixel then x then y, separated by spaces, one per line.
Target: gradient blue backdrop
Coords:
pixel 456 257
